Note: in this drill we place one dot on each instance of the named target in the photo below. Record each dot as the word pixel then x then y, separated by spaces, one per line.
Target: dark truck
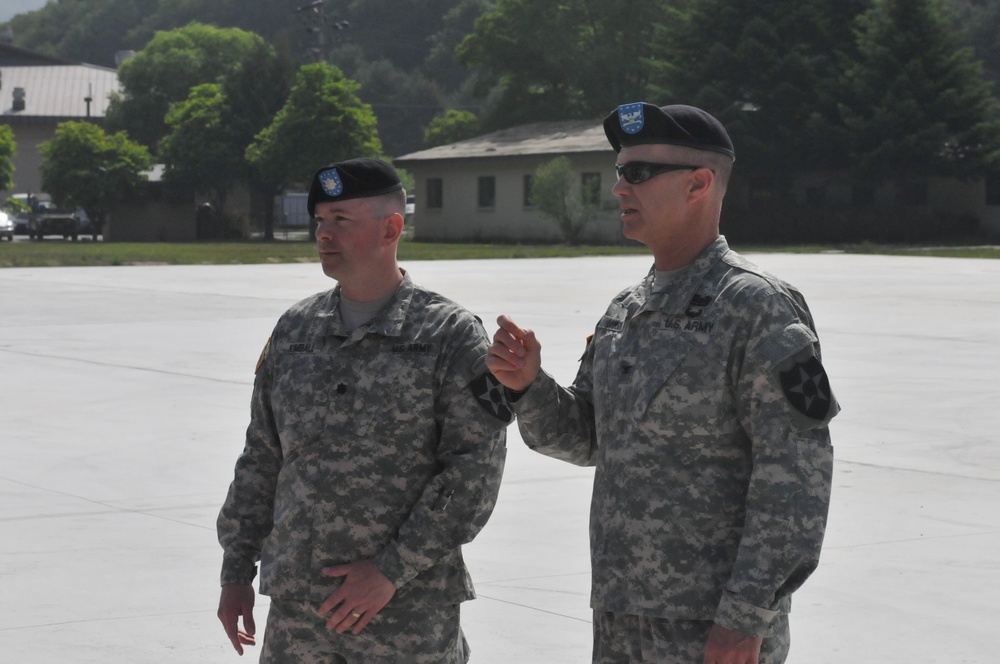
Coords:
pixel 45 218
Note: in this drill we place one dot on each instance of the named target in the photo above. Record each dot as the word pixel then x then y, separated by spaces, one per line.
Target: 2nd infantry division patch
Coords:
pixel 808 388
pixel 489 394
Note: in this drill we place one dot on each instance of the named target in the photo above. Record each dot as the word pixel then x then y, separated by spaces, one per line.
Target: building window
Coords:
pixel 435 193
pixel 590 188
pixel 993 188
pixel 529 183
pixel 487 191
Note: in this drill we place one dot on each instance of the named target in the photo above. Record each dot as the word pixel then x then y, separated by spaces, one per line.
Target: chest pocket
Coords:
pixel 633 360
pixel 392 394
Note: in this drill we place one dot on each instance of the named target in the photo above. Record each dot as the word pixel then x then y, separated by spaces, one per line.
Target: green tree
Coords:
pixel 919 105
pixel 8 149
pixel 165 70
pixel 255 91
pixel 769 70
pixel 323 121
pixel 553 193
pixel 556 61
pixel 210 131
pixel 979 26
pixel 82 166
pixel 404 103
pixel 200 151
pixel 451 127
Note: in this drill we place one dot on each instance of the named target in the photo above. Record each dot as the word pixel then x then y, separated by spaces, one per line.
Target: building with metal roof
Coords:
pixel 37 93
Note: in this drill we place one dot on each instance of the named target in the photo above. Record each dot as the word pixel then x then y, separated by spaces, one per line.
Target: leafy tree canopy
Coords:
pixel 166 70
pixel 8 149
pixel 323 121
pixel 82 166
pixel 451 127
pixel 557 61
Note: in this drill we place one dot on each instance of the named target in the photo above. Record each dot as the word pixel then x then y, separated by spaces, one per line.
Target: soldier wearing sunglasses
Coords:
pixel 703 403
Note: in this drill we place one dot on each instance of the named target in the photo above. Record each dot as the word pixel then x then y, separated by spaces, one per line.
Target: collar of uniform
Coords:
pixel 675 299
pixel 387 322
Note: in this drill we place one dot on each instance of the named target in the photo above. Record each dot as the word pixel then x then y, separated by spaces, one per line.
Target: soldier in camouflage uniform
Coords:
pixel 374 451
pixel 702 401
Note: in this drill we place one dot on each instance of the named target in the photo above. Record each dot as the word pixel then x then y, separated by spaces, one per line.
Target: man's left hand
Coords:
pixel 364 592
pixel 728 647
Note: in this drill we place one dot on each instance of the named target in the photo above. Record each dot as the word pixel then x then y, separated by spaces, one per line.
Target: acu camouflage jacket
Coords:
pixel 386 443
pixel 705 410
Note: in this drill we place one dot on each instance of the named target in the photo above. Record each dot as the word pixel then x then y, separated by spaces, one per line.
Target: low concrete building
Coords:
pixel 478 190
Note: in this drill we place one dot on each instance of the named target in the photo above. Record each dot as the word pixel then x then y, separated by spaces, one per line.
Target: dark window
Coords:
pixel 912 193
pixel 863 195
pixel 763 188
pixel 815 195
pixel 993 188
pixel 487 191
pixel 590 188
pixel 529 183
pixel 435 193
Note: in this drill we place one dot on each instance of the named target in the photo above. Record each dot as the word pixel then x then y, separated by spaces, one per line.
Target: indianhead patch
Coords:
pixel 330 181
pixel 489 394
pixel 808 389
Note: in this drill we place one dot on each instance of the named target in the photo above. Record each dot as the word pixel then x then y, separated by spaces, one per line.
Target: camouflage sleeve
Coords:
pixel 785 405
pixel 246 517
pixel 472 419
pixel 558 421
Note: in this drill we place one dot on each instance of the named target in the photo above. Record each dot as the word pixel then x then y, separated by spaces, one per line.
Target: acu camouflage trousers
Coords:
pixel 295 634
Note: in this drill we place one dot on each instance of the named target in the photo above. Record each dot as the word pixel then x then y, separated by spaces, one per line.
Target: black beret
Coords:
pixel 354 178
pixel 641 123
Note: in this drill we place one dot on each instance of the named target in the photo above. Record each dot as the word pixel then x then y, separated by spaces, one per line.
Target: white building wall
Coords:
pixel 460 219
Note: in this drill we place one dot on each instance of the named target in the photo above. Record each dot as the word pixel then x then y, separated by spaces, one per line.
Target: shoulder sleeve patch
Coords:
pixel 490 396
pixel 263 354
pixel 807 388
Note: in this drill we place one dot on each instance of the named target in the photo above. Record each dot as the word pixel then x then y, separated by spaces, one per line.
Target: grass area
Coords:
pixel 58 253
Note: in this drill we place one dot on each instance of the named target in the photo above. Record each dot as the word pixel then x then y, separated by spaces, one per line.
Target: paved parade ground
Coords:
pixel 124 395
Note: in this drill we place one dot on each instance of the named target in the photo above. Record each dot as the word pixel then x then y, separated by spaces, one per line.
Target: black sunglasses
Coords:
pixel 636 172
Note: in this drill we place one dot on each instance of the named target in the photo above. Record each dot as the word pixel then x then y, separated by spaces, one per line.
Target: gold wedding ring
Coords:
pixel 355 614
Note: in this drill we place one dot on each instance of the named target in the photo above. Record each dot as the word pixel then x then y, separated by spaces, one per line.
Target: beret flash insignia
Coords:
pixel 331 182
pixel 631 118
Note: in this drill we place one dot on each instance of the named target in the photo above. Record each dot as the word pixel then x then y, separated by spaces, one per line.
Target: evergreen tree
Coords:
pixel 556 61
pixel 919 105
pixel 768 69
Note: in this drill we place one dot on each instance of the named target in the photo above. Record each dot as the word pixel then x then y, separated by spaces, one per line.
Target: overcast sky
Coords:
pixel 11 8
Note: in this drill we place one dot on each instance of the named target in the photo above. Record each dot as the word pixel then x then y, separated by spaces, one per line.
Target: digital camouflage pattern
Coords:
pixel 371 444
pixel 625 639
pixel 705 409
pixel 295 633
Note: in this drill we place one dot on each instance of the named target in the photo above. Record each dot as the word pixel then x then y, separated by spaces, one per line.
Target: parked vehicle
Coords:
pixel 6 227
pixel 46 219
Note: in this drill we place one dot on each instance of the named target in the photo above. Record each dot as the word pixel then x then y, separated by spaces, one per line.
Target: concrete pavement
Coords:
pixel 124 395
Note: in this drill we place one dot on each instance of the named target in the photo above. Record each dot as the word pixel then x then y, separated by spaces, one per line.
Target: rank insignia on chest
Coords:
pixel 807 388
pixel 489 395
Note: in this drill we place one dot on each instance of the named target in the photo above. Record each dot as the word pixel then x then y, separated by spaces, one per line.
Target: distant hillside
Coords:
pixel 401 51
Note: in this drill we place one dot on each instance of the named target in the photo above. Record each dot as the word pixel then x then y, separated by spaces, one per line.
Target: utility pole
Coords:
pixel 315 15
